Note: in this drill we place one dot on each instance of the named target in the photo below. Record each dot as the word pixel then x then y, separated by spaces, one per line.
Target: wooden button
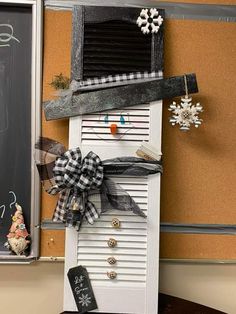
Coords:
pixel 111 274
pixel 115 223
pixel 111 260
pixel 111 242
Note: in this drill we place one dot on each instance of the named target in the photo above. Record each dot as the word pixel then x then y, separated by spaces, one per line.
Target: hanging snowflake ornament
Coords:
pixel 149 20
pixel 185 113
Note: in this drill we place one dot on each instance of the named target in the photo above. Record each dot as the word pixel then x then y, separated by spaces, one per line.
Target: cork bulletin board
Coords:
pixel 199 166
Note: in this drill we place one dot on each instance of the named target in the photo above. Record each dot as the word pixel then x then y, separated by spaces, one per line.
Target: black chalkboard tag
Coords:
pixel 82 289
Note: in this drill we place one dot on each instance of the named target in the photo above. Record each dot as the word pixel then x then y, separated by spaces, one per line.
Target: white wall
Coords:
pixel 38 288
pixel 213 285
pixel 31 289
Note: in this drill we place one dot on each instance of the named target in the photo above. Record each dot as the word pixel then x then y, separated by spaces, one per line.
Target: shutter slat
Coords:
pixel 120 237
pixel 115 44
pixel 121 130
pixel 110 251
pixel 104 264
pixel 119 258
pixel 128 111
pixel 114 118
pixel 121 271
pixel 121 277
pixel 138 219
pixel 103 230
pixel 124 137
pixel 93 124
pixel 126 225
pixel 120 244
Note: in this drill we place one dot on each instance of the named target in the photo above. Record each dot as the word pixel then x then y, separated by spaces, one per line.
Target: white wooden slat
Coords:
pixel 94 124
pixel 104 263
pixel 102 230
pixel 116 118
pixel 120 238
pixel 132 112
pixel 130 180
pixel 129 218
pixel 120 277
pixel 121 130
pixel 110 251
pixel 126 111
pixel 118 137
pixel 121 258
pixel 120 244
pixel 120 270
pixel 125 225
pixel 137 193
pixel 134 187
pixel 98 283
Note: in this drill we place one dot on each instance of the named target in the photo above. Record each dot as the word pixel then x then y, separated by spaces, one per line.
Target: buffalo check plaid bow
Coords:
pixel 74 177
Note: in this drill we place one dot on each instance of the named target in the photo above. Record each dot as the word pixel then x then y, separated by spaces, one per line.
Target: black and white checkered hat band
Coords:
pixel 114 80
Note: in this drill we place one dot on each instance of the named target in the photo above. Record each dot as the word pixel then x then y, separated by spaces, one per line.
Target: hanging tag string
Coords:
pixel 186 85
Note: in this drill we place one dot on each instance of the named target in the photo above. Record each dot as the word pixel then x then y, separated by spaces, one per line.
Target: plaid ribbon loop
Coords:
pixel 74 177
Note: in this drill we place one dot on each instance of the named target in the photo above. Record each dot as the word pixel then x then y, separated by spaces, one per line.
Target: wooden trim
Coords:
pixel 36 81
pixel 77 43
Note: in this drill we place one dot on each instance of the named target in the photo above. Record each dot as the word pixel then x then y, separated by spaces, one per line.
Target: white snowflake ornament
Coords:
pixel 149 20
pixel 185 113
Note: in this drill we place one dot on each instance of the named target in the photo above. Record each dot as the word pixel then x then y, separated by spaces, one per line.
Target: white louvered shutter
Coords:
pixel 135 289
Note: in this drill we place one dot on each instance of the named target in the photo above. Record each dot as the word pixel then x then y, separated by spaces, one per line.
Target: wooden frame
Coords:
pixel 36 63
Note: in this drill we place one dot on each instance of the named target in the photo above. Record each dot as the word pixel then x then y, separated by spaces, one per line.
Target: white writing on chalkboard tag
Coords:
pixel 82 289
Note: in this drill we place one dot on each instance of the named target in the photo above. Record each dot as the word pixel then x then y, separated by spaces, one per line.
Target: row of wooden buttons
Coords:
pixel 112 243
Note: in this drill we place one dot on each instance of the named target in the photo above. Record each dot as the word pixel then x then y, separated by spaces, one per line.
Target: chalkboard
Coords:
pixel 15 115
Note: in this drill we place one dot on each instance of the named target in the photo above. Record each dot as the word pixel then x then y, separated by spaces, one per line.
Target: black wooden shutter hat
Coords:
pixel 108 41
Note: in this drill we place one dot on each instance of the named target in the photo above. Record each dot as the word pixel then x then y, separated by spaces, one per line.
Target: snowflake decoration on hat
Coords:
pixel 185 114
pixel 149 20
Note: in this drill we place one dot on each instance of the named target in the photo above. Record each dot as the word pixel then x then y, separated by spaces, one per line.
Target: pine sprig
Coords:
pixel 60 82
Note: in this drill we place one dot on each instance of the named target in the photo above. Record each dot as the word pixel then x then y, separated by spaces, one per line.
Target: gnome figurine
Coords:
pixel 18 236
